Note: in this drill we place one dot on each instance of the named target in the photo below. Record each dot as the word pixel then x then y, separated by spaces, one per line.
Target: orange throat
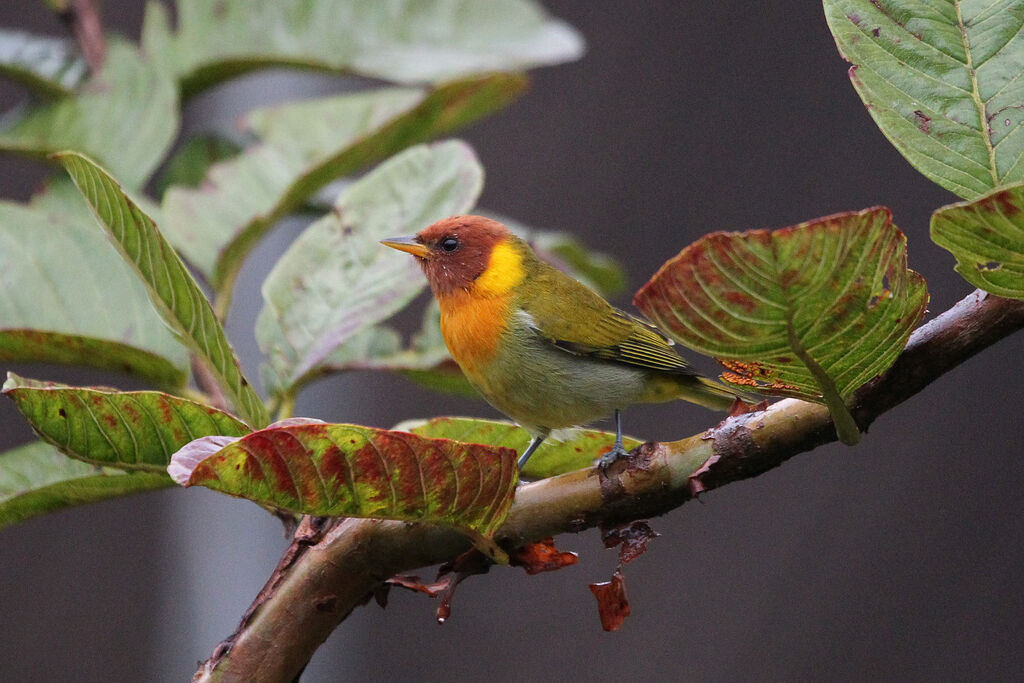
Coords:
pixel 472 326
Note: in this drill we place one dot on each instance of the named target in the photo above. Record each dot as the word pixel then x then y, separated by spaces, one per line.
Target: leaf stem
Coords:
pixel 846 427
pixel 285 405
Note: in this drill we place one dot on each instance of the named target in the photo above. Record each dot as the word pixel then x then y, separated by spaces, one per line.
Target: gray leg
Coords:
pixel 537 441
pixel 618 450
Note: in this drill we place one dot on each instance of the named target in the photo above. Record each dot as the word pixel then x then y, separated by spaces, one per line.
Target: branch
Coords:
pixel 330 570
pixel 83 18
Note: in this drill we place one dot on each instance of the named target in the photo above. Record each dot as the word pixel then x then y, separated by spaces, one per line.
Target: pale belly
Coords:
pixel 543 387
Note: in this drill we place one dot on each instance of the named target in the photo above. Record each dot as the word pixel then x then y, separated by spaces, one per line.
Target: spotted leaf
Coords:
pixel 129 430
pixel 987 237
pixel 353 471
pixel 812 311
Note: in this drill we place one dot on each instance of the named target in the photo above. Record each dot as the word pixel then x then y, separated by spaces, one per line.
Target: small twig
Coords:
pixel 83 18
pixel 313 591
pixel 207 383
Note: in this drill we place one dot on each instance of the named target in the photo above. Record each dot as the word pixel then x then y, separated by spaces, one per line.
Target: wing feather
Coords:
pixel 579 321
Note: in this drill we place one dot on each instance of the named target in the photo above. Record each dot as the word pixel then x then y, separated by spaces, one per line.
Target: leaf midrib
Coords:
pixel 986 132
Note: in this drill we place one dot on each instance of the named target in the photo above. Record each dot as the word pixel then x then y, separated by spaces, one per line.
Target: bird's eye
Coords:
pixel 450 243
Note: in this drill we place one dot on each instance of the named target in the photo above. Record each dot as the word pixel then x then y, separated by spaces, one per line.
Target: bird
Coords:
pixel 540 346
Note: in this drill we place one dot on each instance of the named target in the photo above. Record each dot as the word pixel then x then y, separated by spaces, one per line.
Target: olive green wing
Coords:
pixel 576 319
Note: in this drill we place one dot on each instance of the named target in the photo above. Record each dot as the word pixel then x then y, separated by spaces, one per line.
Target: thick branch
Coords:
pixel 322 579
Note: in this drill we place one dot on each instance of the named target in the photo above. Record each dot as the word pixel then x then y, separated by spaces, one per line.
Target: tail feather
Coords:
pixel 708 393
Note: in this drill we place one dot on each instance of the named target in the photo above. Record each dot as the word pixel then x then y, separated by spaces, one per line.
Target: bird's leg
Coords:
pixel 534 443
pixel 618 450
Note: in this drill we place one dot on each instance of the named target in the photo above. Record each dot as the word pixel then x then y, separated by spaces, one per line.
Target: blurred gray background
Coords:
pixel 900 558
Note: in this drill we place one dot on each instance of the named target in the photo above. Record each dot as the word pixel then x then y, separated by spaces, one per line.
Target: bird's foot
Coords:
pixel 617 451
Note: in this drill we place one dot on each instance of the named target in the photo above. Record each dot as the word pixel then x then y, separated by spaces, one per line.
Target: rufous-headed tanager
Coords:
pixel 541 347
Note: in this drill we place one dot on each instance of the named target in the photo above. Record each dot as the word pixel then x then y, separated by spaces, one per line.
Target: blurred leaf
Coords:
pixel 562 250
pixel 171 288
pixel 354 471
pixel 36 479
pixel 126 115
pixel 50 67
pixel 130 430
pixel 599 271
pixel 812 311
pixel 67 297
pixel 987 238
pixel 306 145
pixel 336 280
pixel 578 449
pixel 942 81
pixel 406 41
pixel 188 166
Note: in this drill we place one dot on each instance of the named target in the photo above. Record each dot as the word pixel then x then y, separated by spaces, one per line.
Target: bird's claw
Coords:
pixel 617 451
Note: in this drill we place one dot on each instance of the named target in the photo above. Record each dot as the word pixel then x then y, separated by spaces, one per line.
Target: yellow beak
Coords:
pixel 407 244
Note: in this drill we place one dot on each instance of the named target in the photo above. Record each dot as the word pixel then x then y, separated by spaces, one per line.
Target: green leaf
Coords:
pixel 812 311
pixel 126 115
pixel 129 430
pixel 172 290
pixel 942 81
pixel 579 448
pixel 353 471
pixel 409 41
pixel 36 479
pixel 987 238
pixel 336 280
pixel 188 166
pixel 306 145
pixel 50 67
pixel 79 303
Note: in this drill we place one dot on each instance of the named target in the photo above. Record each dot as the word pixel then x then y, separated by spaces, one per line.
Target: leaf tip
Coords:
pixel 188 457
pixel 10 384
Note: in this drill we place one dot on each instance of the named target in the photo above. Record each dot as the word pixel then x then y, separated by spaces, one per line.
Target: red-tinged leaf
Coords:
pixel 813 311
pixel 612 604
pixel 353 471
pixel 631 538
pixel 542 556
pixel 987 238
pixel 129 430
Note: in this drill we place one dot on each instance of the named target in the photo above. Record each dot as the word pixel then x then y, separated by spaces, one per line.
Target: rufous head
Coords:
pixel 455 251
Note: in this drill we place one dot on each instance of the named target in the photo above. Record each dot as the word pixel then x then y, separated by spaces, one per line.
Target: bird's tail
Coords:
pixel 709 393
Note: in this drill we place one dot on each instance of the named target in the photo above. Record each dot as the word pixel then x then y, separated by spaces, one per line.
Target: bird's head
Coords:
pixel 468 253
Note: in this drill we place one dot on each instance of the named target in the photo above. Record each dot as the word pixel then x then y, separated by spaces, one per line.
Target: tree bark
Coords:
pixel 333 566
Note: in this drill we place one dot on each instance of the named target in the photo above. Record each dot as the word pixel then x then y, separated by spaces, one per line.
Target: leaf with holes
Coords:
pixel 812 311
pixel 47 66
pixel 987 238
pixel 407 41
pixel 130 430
pixel 353 471
pixel 336 280
pixel 942 81
pixel 578 448
pixel 305 145
pixel 36 479
pixel 81 303
pixel 126 115
pixel 171 287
